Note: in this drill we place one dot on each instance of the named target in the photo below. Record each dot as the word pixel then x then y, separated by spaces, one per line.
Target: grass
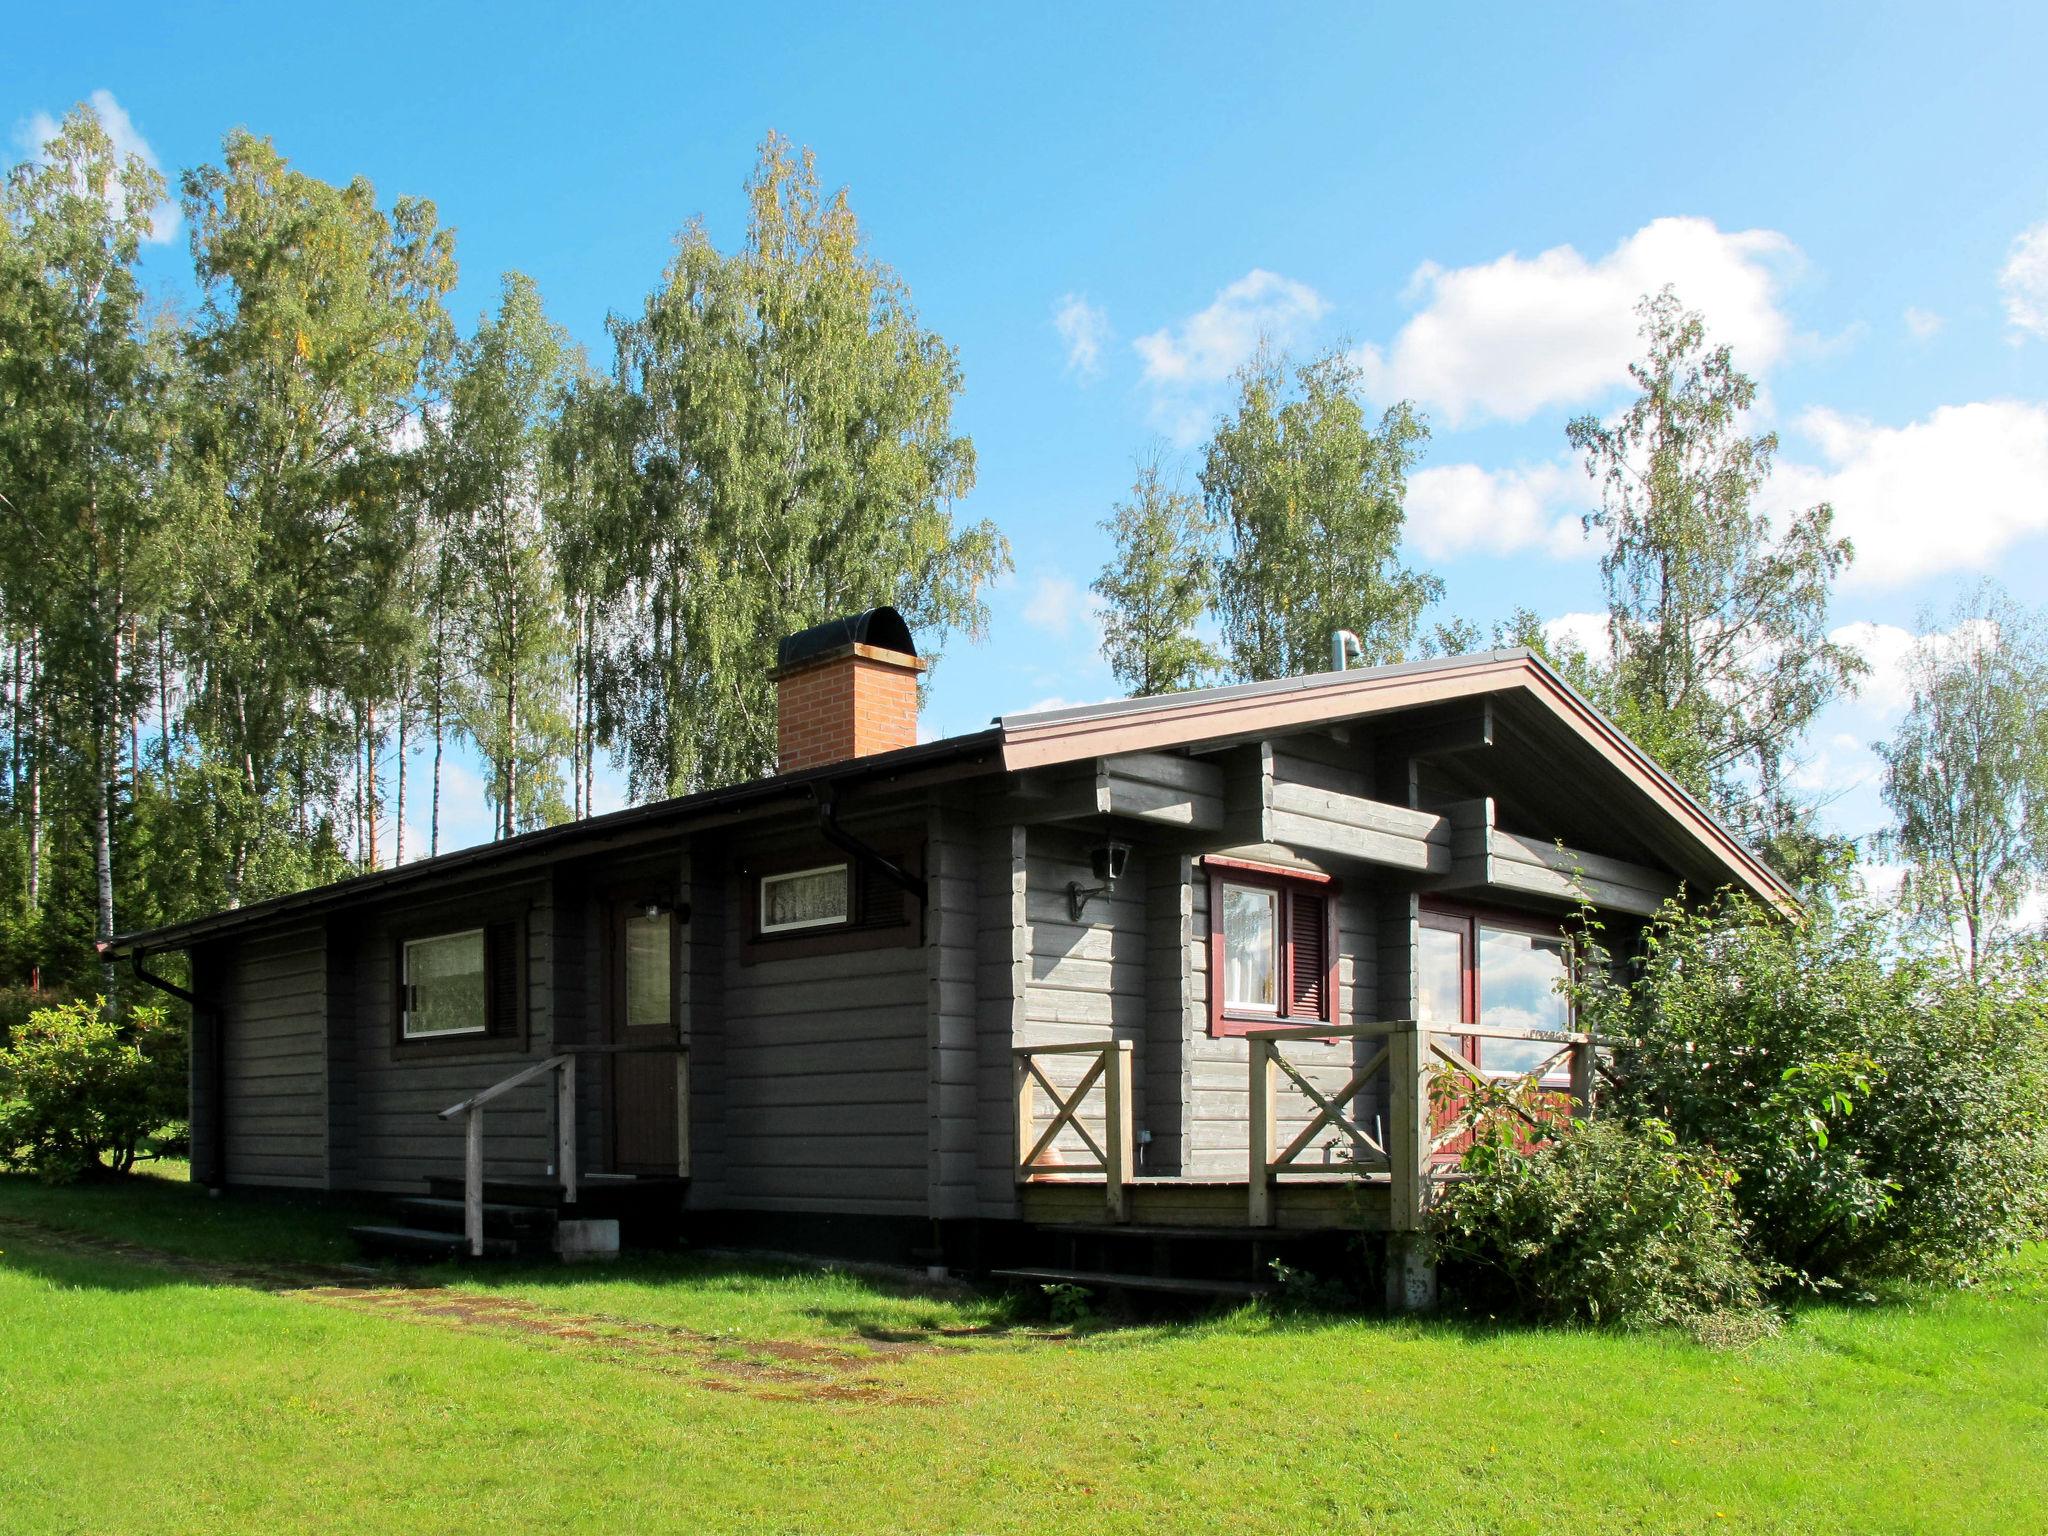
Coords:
pixel 688 1395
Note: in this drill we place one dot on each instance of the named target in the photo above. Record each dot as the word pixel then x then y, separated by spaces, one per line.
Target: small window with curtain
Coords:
pixel 1272 949
pixel 806 898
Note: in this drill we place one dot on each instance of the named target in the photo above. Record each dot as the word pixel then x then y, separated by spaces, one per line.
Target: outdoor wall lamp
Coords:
pixel 1106 861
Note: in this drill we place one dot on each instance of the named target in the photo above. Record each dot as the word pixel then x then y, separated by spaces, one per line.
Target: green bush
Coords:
pixel 1885 1116
pixel 1603 1221
pixel 82 1095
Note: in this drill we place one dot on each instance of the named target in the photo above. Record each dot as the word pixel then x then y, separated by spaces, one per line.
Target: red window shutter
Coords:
pixel 1308 964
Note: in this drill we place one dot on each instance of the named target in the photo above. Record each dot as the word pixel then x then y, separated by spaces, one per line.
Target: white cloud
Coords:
pixel 1888 689
pixel 1923 323
pixel 41 127
pixel 1587 631
pixel 1455 509
pixel 1950 492
pixel 2024 281
pixel 1084 328
pixel 1059 606
pixel 1514 336
pixel 1212 343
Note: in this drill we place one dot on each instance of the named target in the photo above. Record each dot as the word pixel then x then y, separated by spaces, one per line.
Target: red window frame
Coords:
pixel 1287 883
pixel 1466 921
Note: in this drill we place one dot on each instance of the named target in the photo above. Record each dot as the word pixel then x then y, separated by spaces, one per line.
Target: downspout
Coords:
pixel 847 843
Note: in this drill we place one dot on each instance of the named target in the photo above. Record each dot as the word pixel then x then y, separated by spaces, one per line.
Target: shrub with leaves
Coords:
pixel 81 1094
pixel 1886 1115
pixel 1602 1221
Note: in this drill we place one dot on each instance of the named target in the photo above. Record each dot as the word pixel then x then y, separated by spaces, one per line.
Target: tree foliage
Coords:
pixel 1158 587
pixel 1309 495
pixel 1966 775
pixel 1719 654
pixel 775 447
pixel 1884 1116
pixel 81 1095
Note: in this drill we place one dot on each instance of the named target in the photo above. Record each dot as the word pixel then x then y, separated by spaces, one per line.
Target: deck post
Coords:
pixel 1259 1172
pixel 1118 1130
pixel 683 1113
pixel 565 1128
pixel 1026 1093
pixel 1582 1079
pixel 1411 1266
pixel 473 1181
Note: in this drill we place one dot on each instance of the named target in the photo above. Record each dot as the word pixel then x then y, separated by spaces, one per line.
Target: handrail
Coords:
pixel 564 1065
pixel 1116 1154
pixel 516 1080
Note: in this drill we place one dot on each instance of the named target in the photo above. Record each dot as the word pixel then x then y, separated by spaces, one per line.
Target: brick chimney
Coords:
pixel 845 688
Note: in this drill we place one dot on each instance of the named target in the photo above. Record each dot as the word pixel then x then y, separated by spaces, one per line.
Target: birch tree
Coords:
pixel 783 451
pixel 1716 620
pixel 321 312
pixel 83 438
pixel 1310 496
pixel 1157 588
pixel 1966 776
pixel 494 484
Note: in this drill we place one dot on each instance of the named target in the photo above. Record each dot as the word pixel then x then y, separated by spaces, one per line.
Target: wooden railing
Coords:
pixel 1367 1154
pixel 1407 1156
pixel 1115 1154
pixel 564 1066
pixel 472 1108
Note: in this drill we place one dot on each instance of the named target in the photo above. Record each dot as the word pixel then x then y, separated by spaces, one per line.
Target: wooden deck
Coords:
pixel 1307 1203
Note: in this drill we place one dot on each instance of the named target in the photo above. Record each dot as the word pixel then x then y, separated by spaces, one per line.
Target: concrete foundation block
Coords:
pixel 582 1241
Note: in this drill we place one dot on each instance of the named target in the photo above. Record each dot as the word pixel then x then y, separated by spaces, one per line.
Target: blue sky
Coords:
pixel 1102 207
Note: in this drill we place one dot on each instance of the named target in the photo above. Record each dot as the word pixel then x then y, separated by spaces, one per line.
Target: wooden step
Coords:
pixel 448 1215
pixel 423 1243
pixel 1104 1280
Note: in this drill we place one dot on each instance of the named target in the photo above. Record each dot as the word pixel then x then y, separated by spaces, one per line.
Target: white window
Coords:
pixel 445 986
pixel 1251 947
pixel 806 898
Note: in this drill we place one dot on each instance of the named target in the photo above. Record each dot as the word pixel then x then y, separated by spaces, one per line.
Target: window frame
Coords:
pixel 1467 920
pixel 1227 1021
pixel 872 923
pixel 501 924
pixel 812 925
pixel 482 1028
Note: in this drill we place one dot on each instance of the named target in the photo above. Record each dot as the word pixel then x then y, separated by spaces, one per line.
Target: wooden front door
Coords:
pixel 642 1012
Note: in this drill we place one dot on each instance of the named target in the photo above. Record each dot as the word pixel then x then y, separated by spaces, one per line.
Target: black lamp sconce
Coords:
pixel 1106 861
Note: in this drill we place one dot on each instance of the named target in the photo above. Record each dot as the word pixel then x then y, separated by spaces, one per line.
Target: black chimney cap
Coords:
pixel 883 628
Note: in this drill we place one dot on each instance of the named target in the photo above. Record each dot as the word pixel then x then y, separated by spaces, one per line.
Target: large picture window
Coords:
pixel 1498 971
pixel 446 986
pixel 1272 947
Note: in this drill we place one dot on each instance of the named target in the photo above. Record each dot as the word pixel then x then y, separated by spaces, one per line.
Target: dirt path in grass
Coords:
pixel 774 1369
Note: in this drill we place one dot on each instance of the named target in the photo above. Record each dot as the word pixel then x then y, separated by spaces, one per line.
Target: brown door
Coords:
pixel 642 1009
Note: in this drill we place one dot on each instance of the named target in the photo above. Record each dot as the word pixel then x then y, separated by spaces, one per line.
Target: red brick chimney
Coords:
pixel 846 688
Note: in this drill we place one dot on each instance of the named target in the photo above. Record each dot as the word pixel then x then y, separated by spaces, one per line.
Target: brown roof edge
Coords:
pixel 652 819
pixel 1170 720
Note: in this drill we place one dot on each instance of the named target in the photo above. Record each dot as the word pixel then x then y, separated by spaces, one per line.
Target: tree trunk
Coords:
pixel 511 780
pixel 163 696
pixel 398 822
pixel 103 839
pixel 370 806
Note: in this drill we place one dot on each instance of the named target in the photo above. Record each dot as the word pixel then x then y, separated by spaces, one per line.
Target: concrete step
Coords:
pixel 1111 1280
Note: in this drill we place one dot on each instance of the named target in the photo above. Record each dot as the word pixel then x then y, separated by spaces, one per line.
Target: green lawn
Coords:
pixel 227 1395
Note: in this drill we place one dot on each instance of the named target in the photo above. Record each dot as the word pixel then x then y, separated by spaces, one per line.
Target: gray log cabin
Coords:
pixel 1084 992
